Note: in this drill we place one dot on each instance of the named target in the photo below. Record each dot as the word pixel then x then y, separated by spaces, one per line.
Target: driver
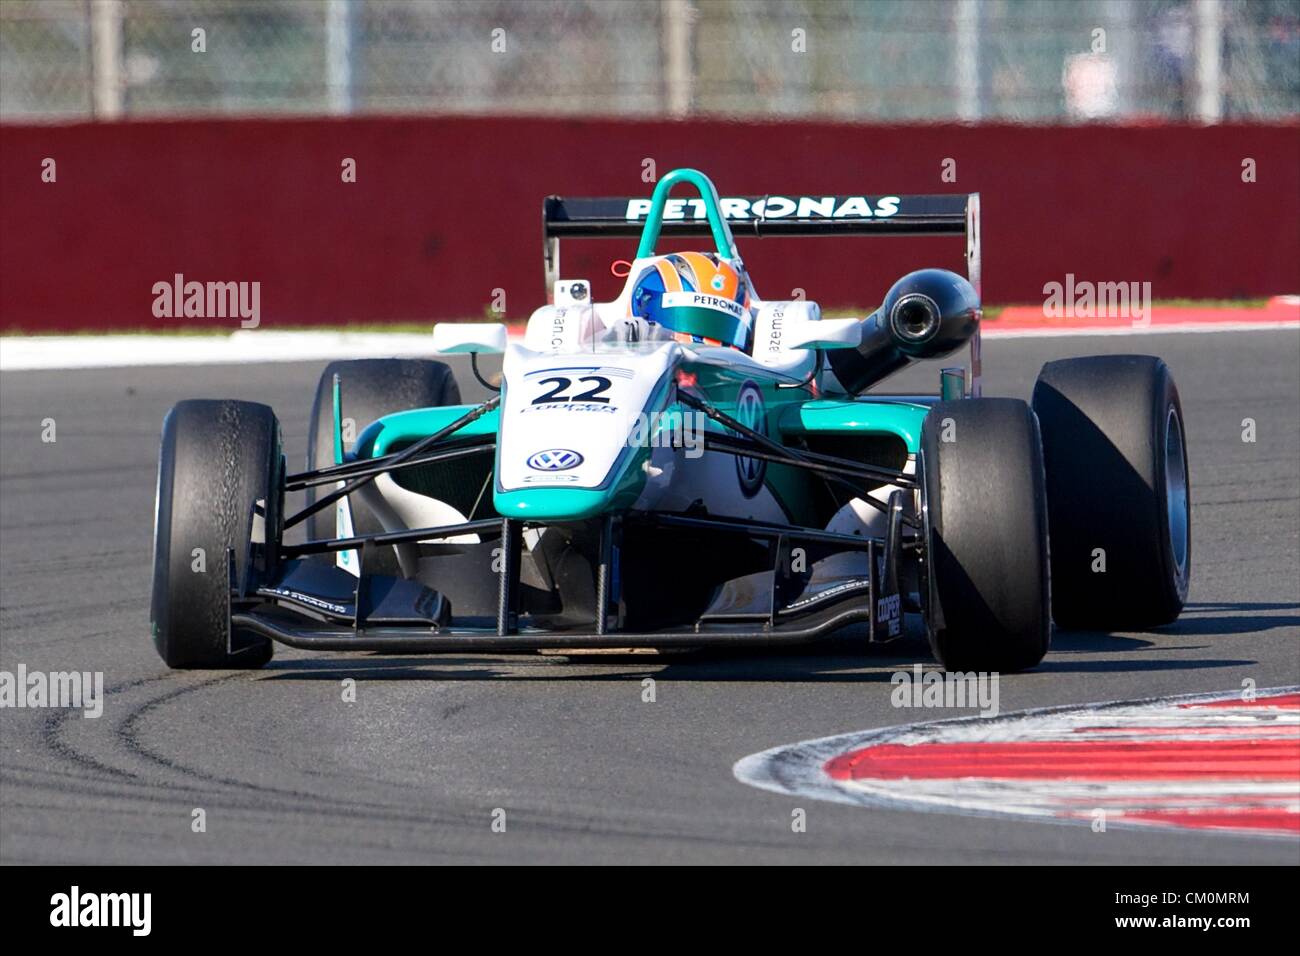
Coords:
pixel 698 297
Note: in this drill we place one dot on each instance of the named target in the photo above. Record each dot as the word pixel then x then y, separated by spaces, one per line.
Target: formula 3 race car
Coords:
pixel 687 465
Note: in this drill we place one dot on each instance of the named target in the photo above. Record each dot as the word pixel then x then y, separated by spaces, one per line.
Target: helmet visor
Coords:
pixel 708 316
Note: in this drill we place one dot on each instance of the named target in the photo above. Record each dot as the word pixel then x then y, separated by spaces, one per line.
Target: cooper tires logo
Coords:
pixel 554 459
pixel 751 413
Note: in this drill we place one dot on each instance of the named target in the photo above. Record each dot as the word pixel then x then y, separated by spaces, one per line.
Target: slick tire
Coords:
pixel 985 582
pixel 220 486
pixel 1118 491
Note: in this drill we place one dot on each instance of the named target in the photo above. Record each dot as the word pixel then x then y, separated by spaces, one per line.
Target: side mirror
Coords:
pixel 825 334
pixel 488 338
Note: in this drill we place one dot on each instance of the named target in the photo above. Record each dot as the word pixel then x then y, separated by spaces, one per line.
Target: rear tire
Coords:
pixel 1117 480
pixel 369 389
pixel 218 458
pixel 985 582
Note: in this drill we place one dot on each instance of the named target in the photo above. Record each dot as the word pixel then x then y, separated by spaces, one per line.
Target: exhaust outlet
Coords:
pixel 926 314
pixel 915 318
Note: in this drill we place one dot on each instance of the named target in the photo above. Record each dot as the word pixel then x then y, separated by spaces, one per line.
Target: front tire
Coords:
pixel 218 460
pixel 369 389
pixel 985 582
pixel 1118 491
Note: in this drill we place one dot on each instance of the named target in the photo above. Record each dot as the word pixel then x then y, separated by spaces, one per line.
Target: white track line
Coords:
pixel 241 347
pixel 27 353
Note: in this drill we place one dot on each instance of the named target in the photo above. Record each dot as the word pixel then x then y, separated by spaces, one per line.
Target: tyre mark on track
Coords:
pixel 132 737
pixel 52 735
pixel 247 795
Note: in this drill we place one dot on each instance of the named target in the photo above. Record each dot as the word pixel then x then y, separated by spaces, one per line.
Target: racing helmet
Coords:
pixel 697 296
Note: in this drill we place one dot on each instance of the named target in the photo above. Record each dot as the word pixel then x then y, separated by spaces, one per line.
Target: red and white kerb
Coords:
pixel 1213 762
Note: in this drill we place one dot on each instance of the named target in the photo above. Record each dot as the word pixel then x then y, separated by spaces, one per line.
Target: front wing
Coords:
pixel 315 606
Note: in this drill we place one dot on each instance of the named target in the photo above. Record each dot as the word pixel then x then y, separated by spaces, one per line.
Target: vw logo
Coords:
pixel 554 459
pixel 751 413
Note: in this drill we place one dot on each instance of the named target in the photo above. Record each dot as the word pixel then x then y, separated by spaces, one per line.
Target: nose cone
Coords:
pixel 569 443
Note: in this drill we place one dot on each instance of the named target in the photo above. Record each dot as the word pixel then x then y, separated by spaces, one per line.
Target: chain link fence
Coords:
pixel 880 60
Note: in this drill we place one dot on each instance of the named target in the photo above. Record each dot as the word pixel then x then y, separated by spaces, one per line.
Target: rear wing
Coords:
pixel 761 216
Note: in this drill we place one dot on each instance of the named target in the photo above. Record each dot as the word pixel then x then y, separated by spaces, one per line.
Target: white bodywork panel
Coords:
pixel 674 482
pixel 585 404
pixel 349 561
pixel 858 517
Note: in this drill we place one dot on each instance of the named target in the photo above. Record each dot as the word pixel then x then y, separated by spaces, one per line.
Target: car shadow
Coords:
pixel 1200 619
pixel 1050 666
pixel 1221 618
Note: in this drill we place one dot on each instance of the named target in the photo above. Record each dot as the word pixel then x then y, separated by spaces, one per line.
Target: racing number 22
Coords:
pixel 562 384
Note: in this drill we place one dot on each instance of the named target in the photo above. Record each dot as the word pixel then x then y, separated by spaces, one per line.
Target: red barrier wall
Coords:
pixel 445 210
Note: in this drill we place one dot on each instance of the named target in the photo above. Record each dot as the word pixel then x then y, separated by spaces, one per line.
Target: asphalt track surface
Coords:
pixel 583 768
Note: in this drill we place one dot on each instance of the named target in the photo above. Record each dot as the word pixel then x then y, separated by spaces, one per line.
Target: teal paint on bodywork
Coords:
pixel 572 504
pixel 726 246
pixel 551 503
pixel 824 415
pixel 793 417
pixel 380 436
pixel 338 423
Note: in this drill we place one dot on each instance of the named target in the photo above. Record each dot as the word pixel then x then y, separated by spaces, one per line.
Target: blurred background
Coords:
pixel 1117 140
pixel 1024 61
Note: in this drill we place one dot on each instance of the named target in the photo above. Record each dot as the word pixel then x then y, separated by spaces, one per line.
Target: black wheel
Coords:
pixel 1118 492
pixel 218 460
pixel 369 389
pixel 985 580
